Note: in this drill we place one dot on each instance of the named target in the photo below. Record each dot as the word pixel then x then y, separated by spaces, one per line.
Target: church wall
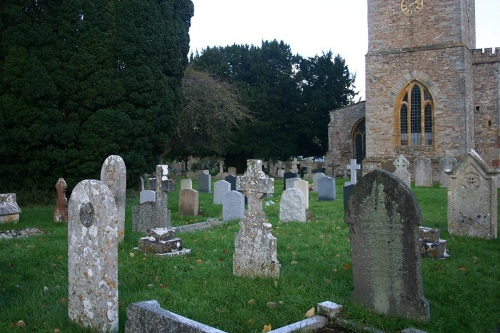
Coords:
pixel 340 138
pixel 486 67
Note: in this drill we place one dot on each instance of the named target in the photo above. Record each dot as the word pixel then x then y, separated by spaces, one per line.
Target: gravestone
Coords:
pixel 472 198
pixel 309 174
pixel 147 196
pixel 326 189
pixel 220 174
pixel 292 206
pixel 9 210
pixel 295 166
pixel 93 257
pixel 161 242
pixel 423 172
pixel 188 203
pixel 231 179
pixel 186 184
pixel 303 185
pixel 384 217
pixel 144 217
pixel 290 182
pixel 61 210
pixel 163 185
pixel 204 183
pixel 221 188
pixel 255 252
pixel 402 164
pixel 233 206
pixel 352 167
pixel 286 176
pixel 445 163
pixel 347 191
pixel 231 171
pixel 114 175
pixel 316 177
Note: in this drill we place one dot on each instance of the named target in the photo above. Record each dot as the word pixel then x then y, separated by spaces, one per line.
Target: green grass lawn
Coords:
pixel 463 290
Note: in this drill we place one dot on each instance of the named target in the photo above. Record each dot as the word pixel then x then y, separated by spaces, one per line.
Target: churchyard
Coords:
pixel 463 290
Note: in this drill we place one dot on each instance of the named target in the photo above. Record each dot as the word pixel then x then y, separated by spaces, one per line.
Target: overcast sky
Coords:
pixel 309 27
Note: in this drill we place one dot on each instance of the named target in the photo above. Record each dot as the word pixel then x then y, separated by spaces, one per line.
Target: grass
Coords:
pixel 463 290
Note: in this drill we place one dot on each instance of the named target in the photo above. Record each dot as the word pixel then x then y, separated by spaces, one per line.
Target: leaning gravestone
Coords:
pixel 221 188
pixel 233 206
pixel 326 189
pixel 445 163
pixel 423 172
pixel 472 198
pixel 384 217
pixel 61 210
pixel 204 183
pixel 114 174
pixel 255 253
pixel 93 257
pixel 316 177
pixel 402 164
pixel 292 206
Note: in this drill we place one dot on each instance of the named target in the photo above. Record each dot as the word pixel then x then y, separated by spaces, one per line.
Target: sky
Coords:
pixel 309 27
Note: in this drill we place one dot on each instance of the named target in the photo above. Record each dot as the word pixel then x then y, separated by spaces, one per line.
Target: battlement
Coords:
pixel 486 55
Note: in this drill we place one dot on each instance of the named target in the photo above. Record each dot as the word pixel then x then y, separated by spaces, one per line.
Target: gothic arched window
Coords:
pixel 416 116
pixel 359 141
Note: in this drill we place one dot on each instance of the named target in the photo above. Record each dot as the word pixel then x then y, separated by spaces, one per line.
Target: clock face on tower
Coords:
pixel 411 7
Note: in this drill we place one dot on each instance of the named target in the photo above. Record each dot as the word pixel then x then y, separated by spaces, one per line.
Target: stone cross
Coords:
pixel 255 252
pixel 163 185
pixel 295 165
pixel 401 163
pixel 221 166
pixel 61 210
pixel 353 167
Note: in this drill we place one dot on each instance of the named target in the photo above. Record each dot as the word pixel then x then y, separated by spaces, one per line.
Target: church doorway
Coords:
pixel 359 141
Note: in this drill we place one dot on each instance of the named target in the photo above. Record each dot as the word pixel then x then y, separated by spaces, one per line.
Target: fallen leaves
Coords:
pixel 267 328
pixel 346 266
pixel 462 269
pixel 310 313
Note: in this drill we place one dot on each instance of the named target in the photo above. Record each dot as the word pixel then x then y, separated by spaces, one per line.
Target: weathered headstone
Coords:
pixel 114 175
pixel 186 184
pixel 402 164
pixel 255 252
pixel 286 176
pixel 347 191
pixel 231 171
pixel 221 188
pixel 423 172
pixel 9 210
pixel 188 203
pixel 472 198
pixel 327 190
pixel 163 185
pixel 445 163
pixel 144 217
pixel 384 217
pixel 231 179
pixel 233 206
pixel 93 257
pixel 204 183
pixel 303 185
pixel 316 177
pixel 147 196
pixel 61 210
pixel 292 206
pixel 352 167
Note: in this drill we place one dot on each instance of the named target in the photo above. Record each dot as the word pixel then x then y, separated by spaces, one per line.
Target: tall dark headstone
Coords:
pixel 231 179
pixel 384 217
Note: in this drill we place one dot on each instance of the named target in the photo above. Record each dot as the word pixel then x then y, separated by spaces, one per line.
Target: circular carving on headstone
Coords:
pixel 87 214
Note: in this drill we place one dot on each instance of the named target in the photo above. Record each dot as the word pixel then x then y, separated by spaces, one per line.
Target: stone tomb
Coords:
pixel 472 198
pixel 233 206
pixel 384 217
pixel 221 188
pixel 292 206
pixel 423 172
pixel 9 210
pixel 93 257
pixel 255 253
pixel 189 203
pixel 327 190
pixel 114 175
pixel 61 210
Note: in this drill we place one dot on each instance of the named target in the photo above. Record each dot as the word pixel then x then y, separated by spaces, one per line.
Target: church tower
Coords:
pixel 419 79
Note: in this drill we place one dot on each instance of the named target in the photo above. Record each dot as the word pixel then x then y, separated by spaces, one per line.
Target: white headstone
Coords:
pixel 292 206
pixel 303 186
pixel 233 206
pixel 221 188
